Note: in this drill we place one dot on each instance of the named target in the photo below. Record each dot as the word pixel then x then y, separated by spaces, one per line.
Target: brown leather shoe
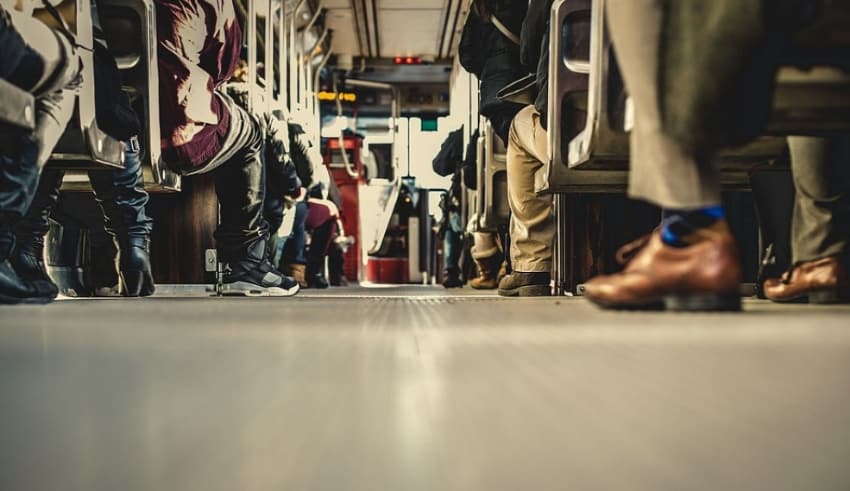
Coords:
pixel 820 281
pixel 705 276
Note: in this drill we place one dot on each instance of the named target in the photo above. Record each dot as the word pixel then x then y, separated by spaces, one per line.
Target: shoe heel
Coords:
pixel 703 303
pixel 136 283
pixel 826 297
pixel 535 291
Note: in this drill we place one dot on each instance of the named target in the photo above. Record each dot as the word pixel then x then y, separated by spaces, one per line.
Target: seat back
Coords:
pixel 582 72
pixel 495 211
pixel 83 145
pixel 130 30
pixel 812 100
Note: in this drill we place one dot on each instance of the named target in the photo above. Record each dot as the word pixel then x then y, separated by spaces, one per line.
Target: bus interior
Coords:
pixel 389 380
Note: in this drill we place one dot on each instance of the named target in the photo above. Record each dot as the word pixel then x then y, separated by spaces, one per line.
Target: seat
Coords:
pixel 494 209
pixel 596 159
pixel 83 145
pixel 129 27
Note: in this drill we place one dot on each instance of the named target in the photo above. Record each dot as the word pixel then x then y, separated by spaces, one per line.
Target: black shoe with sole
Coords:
pixel 15 290
pixel 255 276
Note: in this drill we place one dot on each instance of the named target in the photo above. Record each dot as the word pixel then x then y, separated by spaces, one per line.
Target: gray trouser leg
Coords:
pixel 821 223
pixel 662 172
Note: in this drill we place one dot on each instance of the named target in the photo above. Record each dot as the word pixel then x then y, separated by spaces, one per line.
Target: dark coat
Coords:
pixel 492 57
pixel 534 50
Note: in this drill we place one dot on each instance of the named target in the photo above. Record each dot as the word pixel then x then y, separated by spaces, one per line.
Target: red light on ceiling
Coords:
pixel 410 60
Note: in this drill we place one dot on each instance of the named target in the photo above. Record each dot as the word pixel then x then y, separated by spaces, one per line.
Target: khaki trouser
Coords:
pixel 532 226
pixel 662 172
pixel 821 223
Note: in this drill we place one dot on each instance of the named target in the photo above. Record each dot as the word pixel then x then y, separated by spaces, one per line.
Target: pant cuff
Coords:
pixel 532 267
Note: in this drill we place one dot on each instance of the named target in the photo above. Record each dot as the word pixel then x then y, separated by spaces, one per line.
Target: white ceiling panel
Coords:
pixel 344 34
pixel 413 32
pixel 411 4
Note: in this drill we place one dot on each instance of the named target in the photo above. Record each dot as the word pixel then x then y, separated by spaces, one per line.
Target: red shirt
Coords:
pixel 199 43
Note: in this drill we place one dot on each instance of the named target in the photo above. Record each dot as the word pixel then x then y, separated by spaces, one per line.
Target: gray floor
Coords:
pixel 406 389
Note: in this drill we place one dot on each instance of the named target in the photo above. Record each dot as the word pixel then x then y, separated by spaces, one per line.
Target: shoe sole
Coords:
pixel 679 303
pixel 6 300
pixel 818 297
pixel 527 291
pixel 245 289
pixel 703 303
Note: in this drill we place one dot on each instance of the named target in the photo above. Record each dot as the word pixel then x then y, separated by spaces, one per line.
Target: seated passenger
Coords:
pixel 490 50
pixel 120 193
pixel 691 262
pixel 43 62
pixel 204 130
pixel 820 227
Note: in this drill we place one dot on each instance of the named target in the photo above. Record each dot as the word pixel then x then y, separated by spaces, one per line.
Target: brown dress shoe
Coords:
pixel 705 276
pixel 820 281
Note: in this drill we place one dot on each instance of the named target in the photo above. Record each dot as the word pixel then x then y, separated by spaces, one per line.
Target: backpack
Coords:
pixel 450 154
pixel 472 54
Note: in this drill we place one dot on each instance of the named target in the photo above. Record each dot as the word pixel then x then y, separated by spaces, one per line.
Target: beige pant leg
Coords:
pixel 532 226
pixel 662 172
pixel 485 245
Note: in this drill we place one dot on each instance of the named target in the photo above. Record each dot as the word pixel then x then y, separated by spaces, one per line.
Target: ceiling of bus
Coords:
pixel 426 28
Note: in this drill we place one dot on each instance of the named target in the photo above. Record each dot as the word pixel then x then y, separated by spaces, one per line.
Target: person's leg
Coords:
pixel 452 246
pixel 692 262
pixel 532 227
pixel 662 171
pixel 821 223
pixel 122 198
pixel 242 234
pixel 30 232
pixel 488 257
pixel 322 223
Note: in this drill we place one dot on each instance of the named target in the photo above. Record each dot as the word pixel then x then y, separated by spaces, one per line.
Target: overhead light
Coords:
pixel 407 60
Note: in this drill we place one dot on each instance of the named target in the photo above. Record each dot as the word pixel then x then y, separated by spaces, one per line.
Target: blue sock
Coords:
pixel 678 224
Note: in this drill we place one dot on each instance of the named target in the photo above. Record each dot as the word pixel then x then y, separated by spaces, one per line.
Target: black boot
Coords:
pixel 28 255
pixel 28 261
pixel 452 279
pixel 122 197
pixel 336 263
pixel 13 288
pixel 316 274
pixel 134 267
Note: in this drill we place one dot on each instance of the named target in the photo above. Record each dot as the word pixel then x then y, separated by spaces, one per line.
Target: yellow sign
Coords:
pixel 343 96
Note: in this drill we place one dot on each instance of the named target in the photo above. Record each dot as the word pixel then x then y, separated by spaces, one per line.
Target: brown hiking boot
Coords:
pixel 488 270
pixel 704 276
pixel 820 281
pixel 298 272
pixel 519 284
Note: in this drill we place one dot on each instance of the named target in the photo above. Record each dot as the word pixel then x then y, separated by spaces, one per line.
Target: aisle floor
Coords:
pixel 410 389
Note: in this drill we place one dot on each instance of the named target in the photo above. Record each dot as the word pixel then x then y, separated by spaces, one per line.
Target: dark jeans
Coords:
pixel 453 247
pixel 23 154
pixel 120 194
pixel 240 184
pixel 295 250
